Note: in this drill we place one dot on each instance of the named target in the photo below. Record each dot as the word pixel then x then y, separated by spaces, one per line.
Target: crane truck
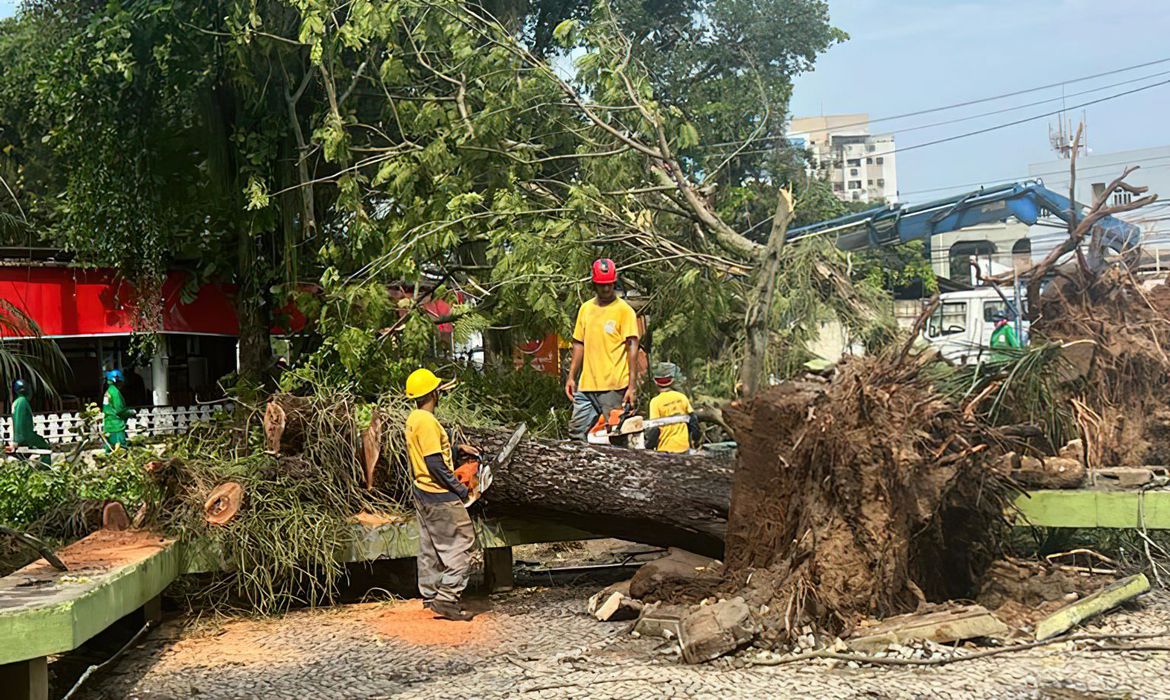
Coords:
pixel 962 324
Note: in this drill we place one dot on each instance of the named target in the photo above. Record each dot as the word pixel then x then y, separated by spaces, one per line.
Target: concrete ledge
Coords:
pixel 44 611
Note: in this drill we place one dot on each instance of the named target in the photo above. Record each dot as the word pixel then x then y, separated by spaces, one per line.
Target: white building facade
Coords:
pixel 860 166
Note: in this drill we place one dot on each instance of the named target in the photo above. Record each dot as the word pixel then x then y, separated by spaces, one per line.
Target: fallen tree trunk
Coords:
pixel 640 495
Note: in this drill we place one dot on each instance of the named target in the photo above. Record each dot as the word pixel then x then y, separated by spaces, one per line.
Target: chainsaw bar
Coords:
pixel 501 459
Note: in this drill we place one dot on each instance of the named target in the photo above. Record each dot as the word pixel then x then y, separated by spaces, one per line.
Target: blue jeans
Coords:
pixel 585 409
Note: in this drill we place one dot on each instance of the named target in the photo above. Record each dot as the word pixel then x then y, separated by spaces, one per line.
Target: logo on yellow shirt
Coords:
pixel 610 327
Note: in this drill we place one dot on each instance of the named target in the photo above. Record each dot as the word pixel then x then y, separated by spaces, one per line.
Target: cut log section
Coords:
pixel 942 626
pixel 372 447
pixel 223 503
pixel 710 631
pixel 650 497
pixel 274 422
pixel 114 517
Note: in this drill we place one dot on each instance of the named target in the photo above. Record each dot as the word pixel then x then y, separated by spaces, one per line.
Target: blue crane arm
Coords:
pixel 1027 202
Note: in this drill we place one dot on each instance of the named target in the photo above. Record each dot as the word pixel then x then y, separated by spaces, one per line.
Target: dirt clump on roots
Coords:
pixel 859 498
pixel 1122 403
pixel 1022 592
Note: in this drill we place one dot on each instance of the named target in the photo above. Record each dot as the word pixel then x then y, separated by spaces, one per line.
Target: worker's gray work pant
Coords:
pixel 585 407
pixel 445 539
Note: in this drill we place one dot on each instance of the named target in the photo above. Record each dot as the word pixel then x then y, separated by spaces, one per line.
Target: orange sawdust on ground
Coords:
pixel 246 641
pixel 410 622
pixel 104 549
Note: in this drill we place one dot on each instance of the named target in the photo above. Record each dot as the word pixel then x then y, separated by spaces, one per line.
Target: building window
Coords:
pixel 869 161
pixel 1122 198
pixel 870 148
pixel 856 196
pixel 853 162
pixel 855 184
pixel 853 172
pixel 881 182
pixel 961 254
pixel 1098 190
pixel 869 182
pixel 838 187
pixel 880 160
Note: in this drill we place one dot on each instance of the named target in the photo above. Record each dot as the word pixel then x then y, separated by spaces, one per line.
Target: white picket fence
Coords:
pixel 67 426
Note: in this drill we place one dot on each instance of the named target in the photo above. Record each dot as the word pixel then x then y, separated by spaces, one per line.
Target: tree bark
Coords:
pixel 644 496
pixel 255 346
pixel 752 372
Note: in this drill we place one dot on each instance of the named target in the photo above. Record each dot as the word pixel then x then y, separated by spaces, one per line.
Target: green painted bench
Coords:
pixel 1087 508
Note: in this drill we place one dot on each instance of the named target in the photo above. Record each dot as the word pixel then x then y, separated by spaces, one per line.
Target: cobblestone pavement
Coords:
pixel 539 643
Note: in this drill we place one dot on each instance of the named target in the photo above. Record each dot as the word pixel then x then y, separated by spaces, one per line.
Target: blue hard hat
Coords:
pixel 19 387
pixel 114 375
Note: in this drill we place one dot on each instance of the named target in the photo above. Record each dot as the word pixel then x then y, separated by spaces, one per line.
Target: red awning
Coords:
pixel 440 309
pixel 68 302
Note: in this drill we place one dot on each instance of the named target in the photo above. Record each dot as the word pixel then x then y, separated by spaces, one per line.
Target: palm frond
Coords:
pixel 1015 386
pixel 26 354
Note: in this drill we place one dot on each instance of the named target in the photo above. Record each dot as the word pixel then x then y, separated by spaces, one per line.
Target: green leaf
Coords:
pixel 563 33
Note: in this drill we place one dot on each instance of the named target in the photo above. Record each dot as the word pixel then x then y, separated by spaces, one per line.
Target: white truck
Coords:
pixel 962 325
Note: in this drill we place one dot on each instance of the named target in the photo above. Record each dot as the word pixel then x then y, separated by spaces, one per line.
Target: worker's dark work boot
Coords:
pixel 450 611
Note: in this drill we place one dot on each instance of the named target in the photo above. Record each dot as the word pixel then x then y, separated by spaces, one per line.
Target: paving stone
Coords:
pixel 546 645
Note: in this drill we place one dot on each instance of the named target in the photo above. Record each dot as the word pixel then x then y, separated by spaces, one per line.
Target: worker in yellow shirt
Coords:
pixel 677 437
pixel 605 349
pixel 445 532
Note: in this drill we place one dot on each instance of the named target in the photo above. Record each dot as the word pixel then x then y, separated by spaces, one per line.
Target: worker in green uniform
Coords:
pixel 1004 336
pixel 23 432
pixel 114 412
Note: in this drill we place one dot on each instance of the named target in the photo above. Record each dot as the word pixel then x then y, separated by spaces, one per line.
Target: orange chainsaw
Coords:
pixel 625 428
pixel 475 471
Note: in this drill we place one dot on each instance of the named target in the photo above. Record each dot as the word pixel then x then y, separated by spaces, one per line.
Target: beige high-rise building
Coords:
pixel 859 165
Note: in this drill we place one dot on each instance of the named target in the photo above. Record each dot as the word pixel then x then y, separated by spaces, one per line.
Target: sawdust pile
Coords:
pixel 1122 404
pixel 411 623
pixel 859 498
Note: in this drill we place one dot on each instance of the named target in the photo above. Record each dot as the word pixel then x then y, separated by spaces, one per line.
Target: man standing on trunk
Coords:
pixel 445 532
pixel 605 350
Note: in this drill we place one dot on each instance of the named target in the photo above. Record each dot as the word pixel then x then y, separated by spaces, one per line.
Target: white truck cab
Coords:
pixel 962 325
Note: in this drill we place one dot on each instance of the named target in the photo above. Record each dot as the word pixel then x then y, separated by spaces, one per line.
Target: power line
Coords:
pixel 1081 168
pixel 1029 104
pixel 1025 119
pixel 987 129
pixel 974 102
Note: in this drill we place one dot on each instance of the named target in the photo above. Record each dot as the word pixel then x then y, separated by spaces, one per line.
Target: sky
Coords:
pixel 909 55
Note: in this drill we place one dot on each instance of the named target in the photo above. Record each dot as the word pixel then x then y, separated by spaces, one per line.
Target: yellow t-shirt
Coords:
pixel 674 437
pixel 425 436
pixel 604 331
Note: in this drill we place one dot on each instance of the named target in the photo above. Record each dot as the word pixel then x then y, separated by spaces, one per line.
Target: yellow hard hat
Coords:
pixel 420 383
